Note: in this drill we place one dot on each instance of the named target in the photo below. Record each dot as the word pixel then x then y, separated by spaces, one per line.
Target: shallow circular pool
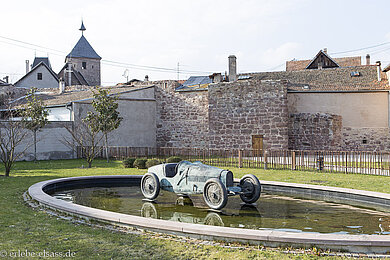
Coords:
pixel 271 212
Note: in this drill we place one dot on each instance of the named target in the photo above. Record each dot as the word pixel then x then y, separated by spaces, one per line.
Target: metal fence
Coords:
pixel 376 163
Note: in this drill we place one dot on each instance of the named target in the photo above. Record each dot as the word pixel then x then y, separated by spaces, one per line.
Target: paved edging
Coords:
pixel 351 243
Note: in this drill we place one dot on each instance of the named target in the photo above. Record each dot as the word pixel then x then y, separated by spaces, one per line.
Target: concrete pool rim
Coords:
pixel 344 242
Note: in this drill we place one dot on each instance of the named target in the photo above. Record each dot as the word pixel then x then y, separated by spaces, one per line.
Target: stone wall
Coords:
pixel 366 139
pixel 91 73
pixel 240 109
pixel 318 131
pixel 182 116
pixel 228 114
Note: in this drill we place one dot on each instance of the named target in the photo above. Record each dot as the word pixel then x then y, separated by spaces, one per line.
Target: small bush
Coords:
pixel 174 159
pixel 140 163
pixel 151 162
pixel 128 162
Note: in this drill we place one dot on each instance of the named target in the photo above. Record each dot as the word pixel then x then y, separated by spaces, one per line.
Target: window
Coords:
pixel 39 76
pixel 84 65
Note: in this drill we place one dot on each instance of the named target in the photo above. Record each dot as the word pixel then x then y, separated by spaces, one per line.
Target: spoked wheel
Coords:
pixel 215 194
pixel 251 188
pixel 150 186
pixel 213 219
pixel 148 210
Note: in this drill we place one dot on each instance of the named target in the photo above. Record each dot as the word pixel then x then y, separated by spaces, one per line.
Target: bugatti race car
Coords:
pixel 186 178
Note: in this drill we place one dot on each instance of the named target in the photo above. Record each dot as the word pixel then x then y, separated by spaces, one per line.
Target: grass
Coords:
pixel 23 228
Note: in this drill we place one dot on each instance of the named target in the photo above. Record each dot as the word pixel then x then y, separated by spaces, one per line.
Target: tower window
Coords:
pixel 39 76
pixel 84 65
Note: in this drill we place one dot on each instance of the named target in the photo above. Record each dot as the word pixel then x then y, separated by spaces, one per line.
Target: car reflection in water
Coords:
pixel 184 211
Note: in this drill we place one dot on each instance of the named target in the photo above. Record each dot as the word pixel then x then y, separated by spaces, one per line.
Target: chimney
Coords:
pixel 325 50
pixel 368 59
pixel 6 79
pixel 232 68
pixel 216 77
pixel 61 86
pixel 146 78
pixel 378 69
pixel 27 66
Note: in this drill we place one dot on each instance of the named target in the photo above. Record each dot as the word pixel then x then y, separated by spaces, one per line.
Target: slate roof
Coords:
pixel 77 77
pixel 195 82
pixel 83 49
pixel 38 60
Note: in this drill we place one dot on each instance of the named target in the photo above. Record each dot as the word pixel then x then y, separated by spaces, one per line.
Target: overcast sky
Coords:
pixel 199 35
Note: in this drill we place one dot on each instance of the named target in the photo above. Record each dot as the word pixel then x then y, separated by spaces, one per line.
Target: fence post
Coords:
pixel 346 162
pixel 239 158
pixel 293 160
pixel 265 160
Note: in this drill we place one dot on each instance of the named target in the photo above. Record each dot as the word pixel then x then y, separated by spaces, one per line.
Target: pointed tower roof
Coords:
pixel 83 49
pixel 82 28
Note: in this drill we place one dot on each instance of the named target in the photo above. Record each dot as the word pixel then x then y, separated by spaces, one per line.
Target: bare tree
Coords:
pixel 84 137
pixel 12 146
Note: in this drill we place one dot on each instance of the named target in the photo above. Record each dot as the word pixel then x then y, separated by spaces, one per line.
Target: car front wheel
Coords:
pixel 150 185
pixel 215 194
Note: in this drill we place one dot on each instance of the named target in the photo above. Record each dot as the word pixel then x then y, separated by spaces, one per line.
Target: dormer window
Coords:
pixel 83 65
pixel 39 76
pixel 322 61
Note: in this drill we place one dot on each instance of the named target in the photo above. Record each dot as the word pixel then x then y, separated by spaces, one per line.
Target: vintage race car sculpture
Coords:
pixel 186 178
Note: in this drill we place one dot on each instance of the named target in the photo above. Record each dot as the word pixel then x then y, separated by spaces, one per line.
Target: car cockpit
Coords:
pixel 170 170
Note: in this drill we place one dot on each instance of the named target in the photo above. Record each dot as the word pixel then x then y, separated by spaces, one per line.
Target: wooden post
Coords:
pixel 293 160
pixel 239 158
pixel 265 160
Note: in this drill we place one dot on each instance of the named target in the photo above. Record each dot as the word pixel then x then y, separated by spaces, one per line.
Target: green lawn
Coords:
pixel 23 228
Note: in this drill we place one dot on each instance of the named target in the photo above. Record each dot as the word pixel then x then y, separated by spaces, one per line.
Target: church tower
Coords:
pixel 85 61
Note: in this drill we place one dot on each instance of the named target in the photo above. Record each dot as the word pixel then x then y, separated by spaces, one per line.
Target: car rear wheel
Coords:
pixel 150 186
pixel 251 188
pixel 215 194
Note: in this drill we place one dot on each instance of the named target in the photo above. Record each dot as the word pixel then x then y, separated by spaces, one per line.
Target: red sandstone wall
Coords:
pixel 182 117
pixel 241 109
